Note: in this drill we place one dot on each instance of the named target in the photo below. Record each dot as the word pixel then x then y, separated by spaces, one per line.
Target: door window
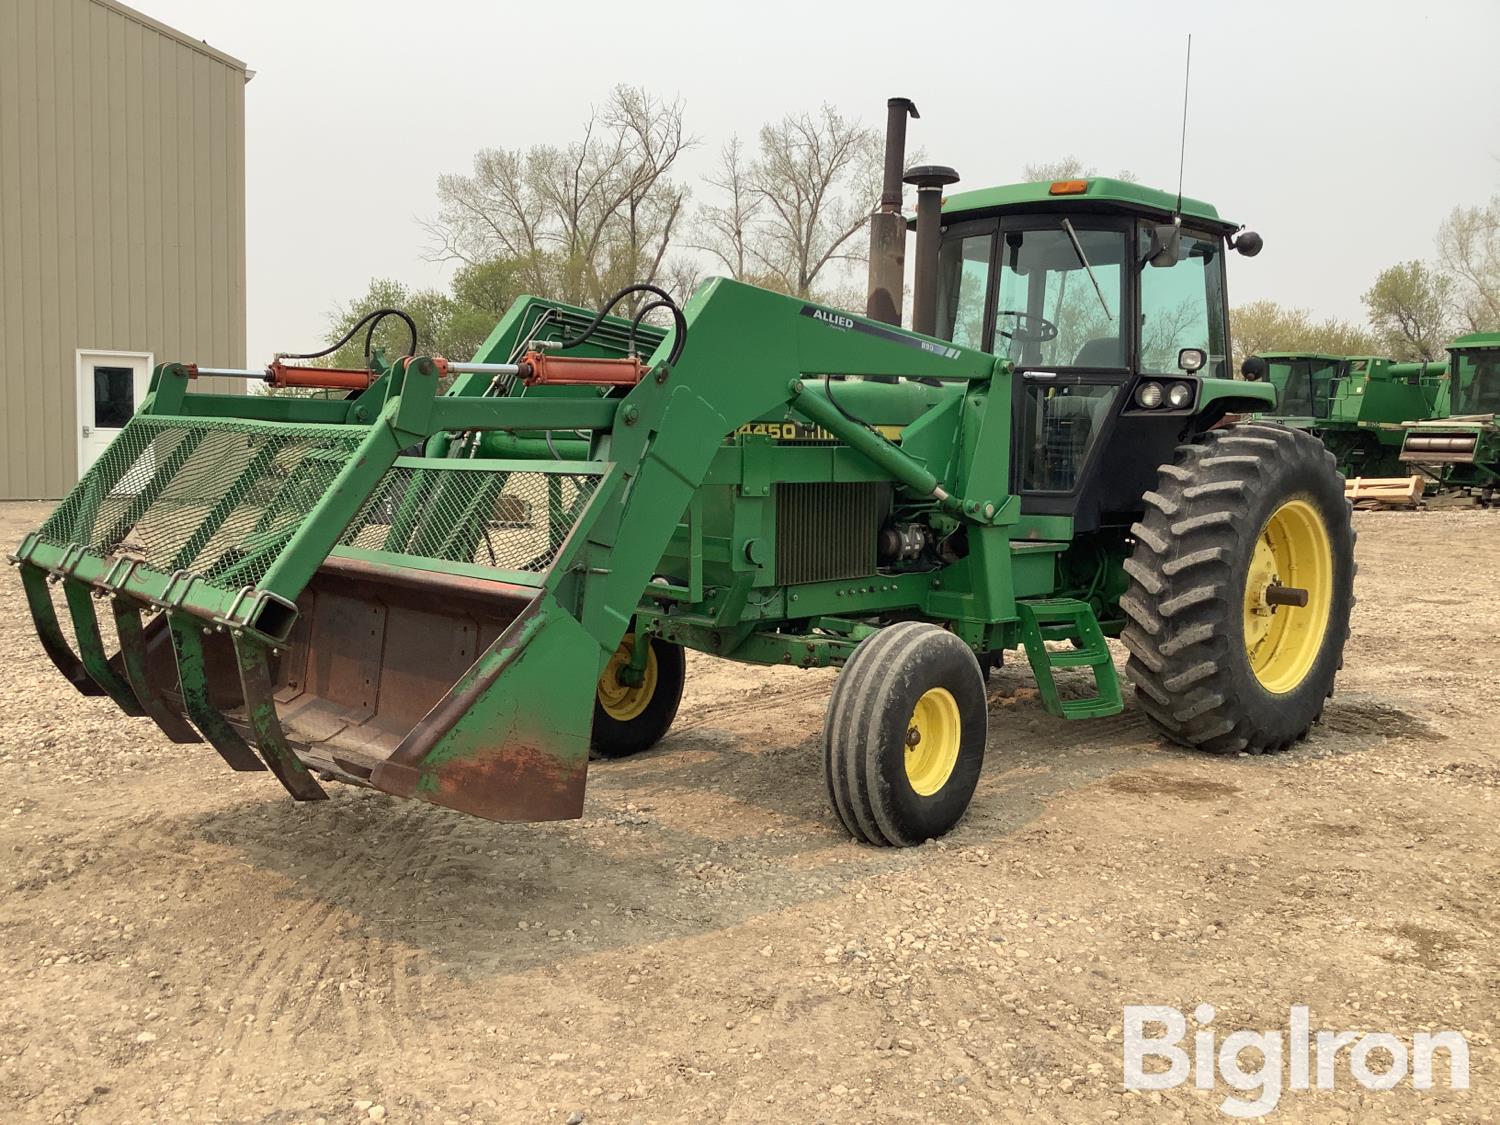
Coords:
pixel 114 396
pixel 1182 306
pixel 1059 427
pixel 1058 298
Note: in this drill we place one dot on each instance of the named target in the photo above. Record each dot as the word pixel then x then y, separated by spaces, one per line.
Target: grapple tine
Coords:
pixel 187 641
pixel 91 647
pixel 138 672
pixel 260 712
pixel 49 632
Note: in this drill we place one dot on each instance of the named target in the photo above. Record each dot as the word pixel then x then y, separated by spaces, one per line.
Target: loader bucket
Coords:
pixel 306 600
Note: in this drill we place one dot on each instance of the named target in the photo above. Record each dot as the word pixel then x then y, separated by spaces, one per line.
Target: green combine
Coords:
pixel 1460 446
pixel 465 579
pixel 1355 405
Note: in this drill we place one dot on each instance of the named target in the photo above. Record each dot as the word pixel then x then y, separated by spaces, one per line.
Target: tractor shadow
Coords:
pixel 701 834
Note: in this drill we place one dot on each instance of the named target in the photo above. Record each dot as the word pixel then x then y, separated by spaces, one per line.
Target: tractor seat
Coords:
pixel 1101 352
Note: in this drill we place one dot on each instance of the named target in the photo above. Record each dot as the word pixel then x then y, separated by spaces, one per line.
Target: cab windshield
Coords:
pixel 1058 298
pixel 1060 288
pixel 1476 381
pixel 1304 387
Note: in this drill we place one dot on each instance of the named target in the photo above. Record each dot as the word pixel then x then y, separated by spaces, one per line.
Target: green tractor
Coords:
pixel 1355 405
pixel 1460 445
pixel 463 580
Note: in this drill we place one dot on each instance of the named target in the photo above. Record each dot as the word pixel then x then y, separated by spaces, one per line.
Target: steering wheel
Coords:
pixel 1043 330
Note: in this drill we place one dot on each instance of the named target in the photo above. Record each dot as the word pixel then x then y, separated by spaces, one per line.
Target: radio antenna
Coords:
pixel 1187 73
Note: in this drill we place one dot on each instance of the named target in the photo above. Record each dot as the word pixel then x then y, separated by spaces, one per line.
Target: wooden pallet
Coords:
pixel 1394 492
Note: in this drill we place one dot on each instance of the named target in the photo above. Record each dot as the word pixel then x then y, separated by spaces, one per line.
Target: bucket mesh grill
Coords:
pixel 218 498
pixel 510 520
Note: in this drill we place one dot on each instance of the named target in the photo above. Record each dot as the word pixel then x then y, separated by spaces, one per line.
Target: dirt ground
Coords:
pixel 182 943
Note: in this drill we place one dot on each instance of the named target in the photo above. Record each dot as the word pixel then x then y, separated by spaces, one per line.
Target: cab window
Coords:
pixel 1058 296
pixel 1477 377
pixel 1182 305
pixel 963 280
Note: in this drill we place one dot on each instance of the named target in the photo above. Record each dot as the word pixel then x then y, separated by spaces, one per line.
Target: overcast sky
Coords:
pixel 1342 131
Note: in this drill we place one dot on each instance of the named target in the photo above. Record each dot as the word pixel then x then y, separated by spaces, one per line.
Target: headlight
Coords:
pixel 1179 395
pixel 1148 395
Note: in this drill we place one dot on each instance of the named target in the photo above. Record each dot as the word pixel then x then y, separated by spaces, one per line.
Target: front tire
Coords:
pixel 1242 523
pixel 905 734
pixel 630 718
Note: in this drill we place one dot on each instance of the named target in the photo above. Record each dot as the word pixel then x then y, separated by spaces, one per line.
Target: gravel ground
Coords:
pixel 185 944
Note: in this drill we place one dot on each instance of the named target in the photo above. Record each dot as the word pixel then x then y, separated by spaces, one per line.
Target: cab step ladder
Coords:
pixel 1059 619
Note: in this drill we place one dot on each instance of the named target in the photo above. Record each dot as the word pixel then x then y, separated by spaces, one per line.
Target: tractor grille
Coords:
pixel 828 531
pixel 217 498
pixel 470 512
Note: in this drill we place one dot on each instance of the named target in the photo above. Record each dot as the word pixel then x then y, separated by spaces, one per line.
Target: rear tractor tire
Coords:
pixel 905 734
pixel 629 718
pixel 1241 583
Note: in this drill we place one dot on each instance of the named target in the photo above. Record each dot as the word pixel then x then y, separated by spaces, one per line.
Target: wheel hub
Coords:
pixel 623 701
pixel 1288 596
pixel 933 737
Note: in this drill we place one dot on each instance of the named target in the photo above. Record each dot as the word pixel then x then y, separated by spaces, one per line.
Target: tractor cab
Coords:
pixel 1306 384
pixel 1109 298
pixel 1475 367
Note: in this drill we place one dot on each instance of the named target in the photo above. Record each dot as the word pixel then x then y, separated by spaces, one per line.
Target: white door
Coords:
pixel 111 386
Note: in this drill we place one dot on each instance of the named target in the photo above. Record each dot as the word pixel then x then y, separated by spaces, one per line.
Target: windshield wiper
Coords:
pixel 1084 262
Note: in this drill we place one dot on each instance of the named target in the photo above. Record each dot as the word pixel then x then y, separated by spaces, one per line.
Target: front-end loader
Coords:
pixel 464 579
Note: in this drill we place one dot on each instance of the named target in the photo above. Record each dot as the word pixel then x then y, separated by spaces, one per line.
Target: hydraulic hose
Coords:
pixel 679 321
pixel 373 319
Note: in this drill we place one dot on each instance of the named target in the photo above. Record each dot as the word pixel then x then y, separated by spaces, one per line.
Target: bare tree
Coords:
pixel 582 220
pixel 1069 168
pixel 789 218
pixel 818 177
pixel 1469 249
pixel 725 230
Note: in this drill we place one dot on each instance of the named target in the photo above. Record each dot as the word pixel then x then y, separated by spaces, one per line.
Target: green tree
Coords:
pixel 1410 310
pixel 451 324
pixel 1265 326
pixel 427 307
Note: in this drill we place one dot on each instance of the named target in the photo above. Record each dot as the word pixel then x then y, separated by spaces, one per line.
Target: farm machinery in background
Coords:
pixel 465 579
pixel 1355 405
pixel 1459 447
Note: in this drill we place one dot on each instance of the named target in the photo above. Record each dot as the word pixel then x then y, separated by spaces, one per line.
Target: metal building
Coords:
pixel 122 224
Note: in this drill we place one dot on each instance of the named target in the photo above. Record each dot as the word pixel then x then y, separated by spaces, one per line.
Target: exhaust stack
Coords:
pixel 887 227
pixel 929 180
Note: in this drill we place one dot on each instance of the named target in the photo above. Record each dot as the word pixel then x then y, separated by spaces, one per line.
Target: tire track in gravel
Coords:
pixel 295 957
pixel 722 713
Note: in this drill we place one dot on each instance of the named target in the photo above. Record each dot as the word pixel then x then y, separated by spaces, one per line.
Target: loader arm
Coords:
pixel 434 626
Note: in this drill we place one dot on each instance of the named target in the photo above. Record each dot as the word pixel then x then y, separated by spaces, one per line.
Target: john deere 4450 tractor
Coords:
pixel 459 580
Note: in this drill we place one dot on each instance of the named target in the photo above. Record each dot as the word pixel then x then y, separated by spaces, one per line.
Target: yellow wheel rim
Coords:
pixel 623 702
pixel 932 739
pixel 1283 641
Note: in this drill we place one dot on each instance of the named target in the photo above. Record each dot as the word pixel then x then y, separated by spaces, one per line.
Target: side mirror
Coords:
pixel 1166 245
pixel 1192 360
pixel 1248 243
pixel 1253 368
